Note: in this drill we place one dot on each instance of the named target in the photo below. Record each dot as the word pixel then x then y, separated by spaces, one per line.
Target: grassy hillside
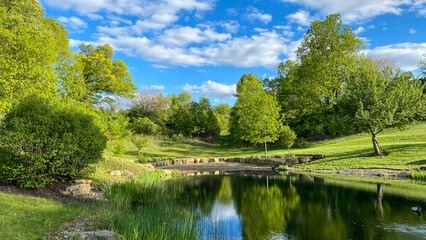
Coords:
pixel 406 149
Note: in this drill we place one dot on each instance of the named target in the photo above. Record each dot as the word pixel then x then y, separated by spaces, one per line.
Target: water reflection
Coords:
pixel 299 207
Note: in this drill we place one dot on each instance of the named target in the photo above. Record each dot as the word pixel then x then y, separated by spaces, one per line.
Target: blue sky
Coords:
pixel 205 46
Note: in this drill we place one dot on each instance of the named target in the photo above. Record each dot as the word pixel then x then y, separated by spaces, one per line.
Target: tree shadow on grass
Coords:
pixel 421 162
pixel 366 152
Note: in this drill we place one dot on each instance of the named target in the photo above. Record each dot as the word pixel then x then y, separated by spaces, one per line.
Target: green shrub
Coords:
pixel 283 167
pixel 43 142
pixel 301 143
pixel 143 159
pixel 144 126
pixel 139 141
pixel 119 150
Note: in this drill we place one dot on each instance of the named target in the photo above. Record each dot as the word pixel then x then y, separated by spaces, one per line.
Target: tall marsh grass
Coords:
pixel 145 208
pixel 418 176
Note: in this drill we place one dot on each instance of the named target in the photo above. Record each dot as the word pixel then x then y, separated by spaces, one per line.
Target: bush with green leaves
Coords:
pixel 140 142
pixel 43 142
pixel 119 150
pixel 287 138
pixel 144 126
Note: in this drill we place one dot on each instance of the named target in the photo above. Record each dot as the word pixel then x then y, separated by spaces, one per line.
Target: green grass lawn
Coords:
pixel 23 217
pixel 406 150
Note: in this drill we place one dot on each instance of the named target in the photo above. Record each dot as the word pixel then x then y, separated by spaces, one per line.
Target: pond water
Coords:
pixel 301 207
pixel 305 207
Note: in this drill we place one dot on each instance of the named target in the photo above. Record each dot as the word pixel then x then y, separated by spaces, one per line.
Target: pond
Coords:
pixel 300 207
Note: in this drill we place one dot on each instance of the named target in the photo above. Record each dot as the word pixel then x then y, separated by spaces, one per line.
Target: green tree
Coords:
pixel 30 45
pixel 326 54
pixel 223 113
pixel 140 142
pixel 309 88
pixel 94 72
pixel 287 138
pixel 255 116
pixel 382 97
pixel 179 114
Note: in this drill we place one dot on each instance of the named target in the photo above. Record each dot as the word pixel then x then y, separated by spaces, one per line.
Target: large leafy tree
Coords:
pixel 93 72
pixel 326 55
pixel 30 45
pixel 255 117
pixel 380 97
pixel 308 88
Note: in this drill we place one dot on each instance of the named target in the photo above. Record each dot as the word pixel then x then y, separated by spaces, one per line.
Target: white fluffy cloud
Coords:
pixel 73 23
pixel 183 36
pixel 359 30
pixel 255 14
pixel 152 14
pixel 355 10
pixel 264 49
pixel 300 17
pixel 407 55
pixel 212 89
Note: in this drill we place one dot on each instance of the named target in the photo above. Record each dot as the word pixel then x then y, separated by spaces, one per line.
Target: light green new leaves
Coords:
pixel 255 116
pixel 30 44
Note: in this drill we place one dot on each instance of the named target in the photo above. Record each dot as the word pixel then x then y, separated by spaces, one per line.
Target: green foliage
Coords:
pixel 255 116
pixel 44 142
pixel 144 126
pixel 119 150
pixel 287 138
pixel 114 124
pixel 223 113
pixel 380 98
pixel 308 89
pixel 283 167
pixel 301 143
pixel 418 175
pixel 192 118
pixel 92 72
pixel 29 48
pixel 326 53
pixel 143 159
pixel 140 142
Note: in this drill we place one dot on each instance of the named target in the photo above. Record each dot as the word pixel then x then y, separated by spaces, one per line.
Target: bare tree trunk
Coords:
pixel 266 150
pixel 375 144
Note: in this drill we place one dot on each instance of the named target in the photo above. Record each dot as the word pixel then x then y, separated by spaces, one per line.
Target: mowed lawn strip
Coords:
pixel 23 217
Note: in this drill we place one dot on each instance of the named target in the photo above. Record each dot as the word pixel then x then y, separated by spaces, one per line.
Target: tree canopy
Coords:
pixel 30 45
pixel 94 72
pixel 382 97
pixel 255 116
